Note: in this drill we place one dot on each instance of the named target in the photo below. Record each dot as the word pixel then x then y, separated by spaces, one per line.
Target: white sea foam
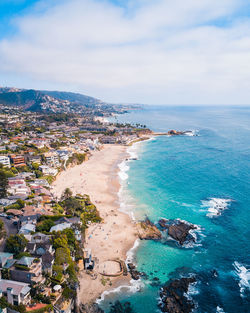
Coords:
pixel 215 206
pixel 123 170
pixel 191 133
pixel 135 286
pixel 192 290
pixel 219 310
pixel 131 252
pixel 243 275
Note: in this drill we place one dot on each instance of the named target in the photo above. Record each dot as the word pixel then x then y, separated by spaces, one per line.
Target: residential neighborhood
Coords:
pixel 42 236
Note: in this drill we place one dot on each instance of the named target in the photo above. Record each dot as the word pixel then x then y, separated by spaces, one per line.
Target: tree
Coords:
pixel 67 193
pixel 16 244
pixel 3 183
pixel 60 242
pixel 45 225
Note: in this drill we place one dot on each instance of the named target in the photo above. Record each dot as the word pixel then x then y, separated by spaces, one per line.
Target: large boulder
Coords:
pixel 178 230
pixel 173 296
pixel 134 273
pixel 148 231
pixel 173 132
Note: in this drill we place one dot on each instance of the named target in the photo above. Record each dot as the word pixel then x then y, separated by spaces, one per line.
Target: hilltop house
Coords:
pixel 6 260
pixel 15 292
pixel 5 160
pixel 46 170
pixel 28 270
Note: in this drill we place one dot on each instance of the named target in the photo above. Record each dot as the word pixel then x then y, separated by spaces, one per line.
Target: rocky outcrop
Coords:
pixel 90 308
pixel 134 273
pixel 148 231
pixel 178 230
pixel 173 299
pixel 173 132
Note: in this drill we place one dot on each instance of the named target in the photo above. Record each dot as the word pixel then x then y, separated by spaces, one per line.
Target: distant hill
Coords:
pixel 73 97
pixel 50 101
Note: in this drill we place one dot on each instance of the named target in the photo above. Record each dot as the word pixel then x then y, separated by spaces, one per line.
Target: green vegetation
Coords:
pixel 16 244
pixel 2 230
pixel 4 174
pixel 44 225
pixel 19 308
pixel 81 206
pixel 76 158
pixel 17 206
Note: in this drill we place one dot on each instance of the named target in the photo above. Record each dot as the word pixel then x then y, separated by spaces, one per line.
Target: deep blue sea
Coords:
pixel 188 177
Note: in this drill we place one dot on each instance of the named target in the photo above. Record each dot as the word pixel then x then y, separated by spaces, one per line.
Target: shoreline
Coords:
pixel 116 235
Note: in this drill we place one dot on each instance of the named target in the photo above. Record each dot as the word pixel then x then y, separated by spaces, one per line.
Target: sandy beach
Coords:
pixel 98 177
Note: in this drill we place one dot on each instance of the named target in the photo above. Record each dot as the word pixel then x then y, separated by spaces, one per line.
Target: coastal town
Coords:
pixel 48 215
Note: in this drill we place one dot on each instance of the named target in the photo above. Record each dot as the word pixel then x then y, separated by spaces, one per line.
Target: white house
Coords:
pixel 46 170
pixel 5 160
pixel 15 292
pixel 60 227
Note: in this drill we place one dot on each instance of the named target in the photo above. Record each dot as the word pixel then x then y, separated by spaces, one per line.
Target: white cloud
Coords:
pixel 153 51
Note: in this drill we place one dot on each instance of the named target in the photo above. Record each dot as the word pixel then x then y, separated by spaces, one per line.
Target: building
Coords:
pixel 5 160
pixel 28 219
pixel 6 259
pixel 28 270
pixel 60 227
pixel 15 292
pixel 46 170
pixel 52 159
pixel 18 160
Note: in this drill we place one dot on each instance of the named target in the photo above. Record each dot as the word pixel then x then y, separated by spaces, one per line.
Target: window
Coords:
pixel 15 302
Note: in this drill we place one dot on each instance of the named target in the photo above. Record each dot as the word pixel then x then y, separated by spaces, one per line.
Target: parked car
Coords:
pixel 3 215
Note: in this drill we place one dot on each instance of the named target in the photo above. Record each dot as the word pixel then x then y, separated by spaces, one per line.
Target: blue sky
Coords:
pixel 139 51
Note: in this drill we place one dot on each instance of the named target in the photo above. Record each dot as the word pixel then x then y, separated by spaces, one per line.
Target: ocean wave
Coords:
pixel 123 169
pixel 135 286
pixel 215 206
pixel 192 291
pixel 243 275
pixel 131 252
pixel 191 133
pixel 219 310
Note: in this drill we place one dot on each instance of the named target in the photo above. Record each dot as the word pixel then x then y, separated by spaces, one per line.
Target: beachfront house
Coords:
pixel 15 292
pixel 46 170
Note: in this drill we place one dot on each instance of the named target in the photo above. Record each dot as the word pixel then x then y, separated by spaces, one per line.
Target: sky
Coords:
pixel 173 52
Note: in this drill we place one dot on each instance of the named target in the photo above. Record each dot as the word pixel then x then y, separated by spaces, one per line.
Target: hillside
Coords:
pixel 52 101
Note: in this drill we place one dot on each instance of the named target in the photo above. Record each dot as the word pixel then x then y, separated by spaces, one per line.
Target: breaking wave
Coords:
pixel 243 276
pixel 215 206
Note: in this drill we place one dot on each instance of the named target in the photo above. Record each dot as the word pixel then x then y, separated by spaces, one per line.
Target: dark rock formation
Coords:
pixel 134 273
pixel 148 231
pixel 173 132
pixel 173 299
pixel 90 308
pixel 178 230
pixel 119 307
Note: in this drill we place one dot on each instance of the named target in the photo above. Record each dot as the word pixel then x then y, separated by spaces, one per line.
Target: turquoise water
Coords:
pixel 175 177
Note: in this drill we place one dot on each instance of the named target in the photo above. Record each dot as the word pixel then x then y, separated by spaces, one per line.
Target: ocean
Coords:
pixel 189 178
